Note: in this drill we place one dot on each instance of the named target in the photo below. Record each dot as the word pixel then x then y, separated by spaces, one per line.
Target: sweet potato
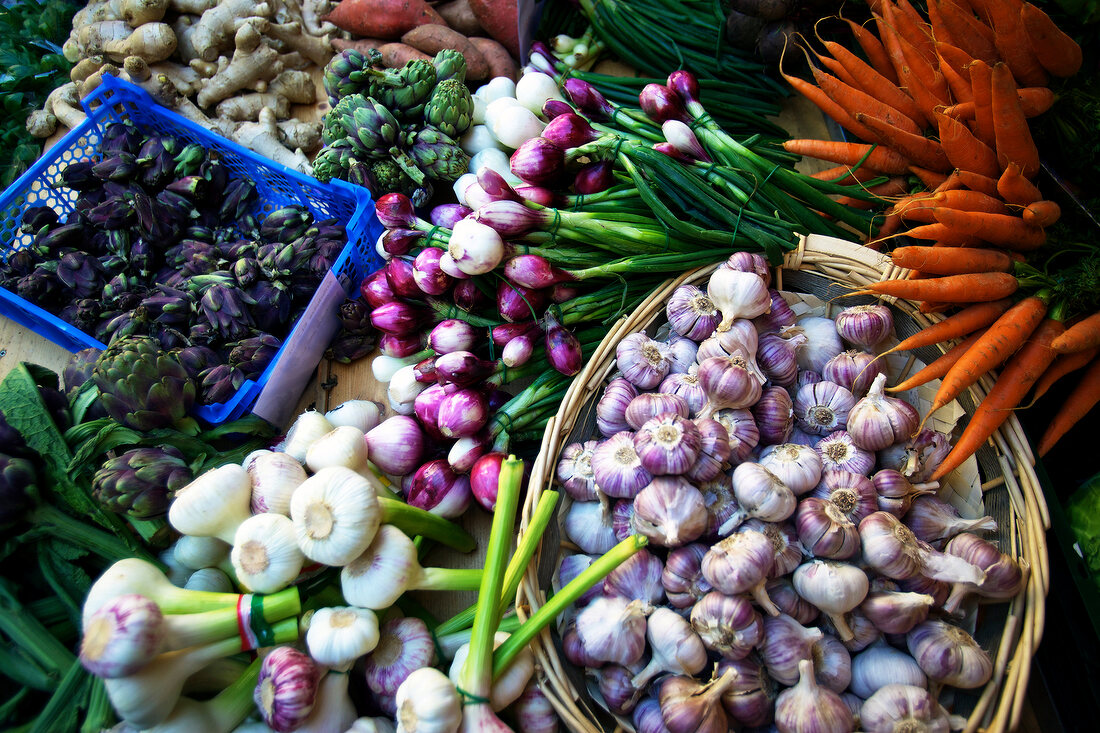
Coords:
pixel 460 16
pixel 431 39
pixel 394 55
pixel 362 45
pixel 500 19
pixel 496 55
pixel 386 19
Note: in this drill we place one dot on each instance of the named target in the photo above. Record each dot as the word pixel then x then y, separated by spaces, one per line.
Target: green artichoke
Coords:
pixel 339 77
pixel 436 154
pixel 143 386
pixel 450 108
pixel 371 128
pixel 17 488
pixel 406 99
pixel 78 369
pixel 141 482
pixel 449 64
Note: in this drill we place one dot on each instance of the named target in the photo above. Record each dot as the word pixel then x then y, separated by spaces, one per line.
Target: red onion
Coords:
pixel 484 478
pixel 399 347
pixel 594 177
pixel 552 108
pixel 517 303
pixel 563 351
pixel 587 99
pixel 399 274
pixel 445 215
pixel 396 445
pixel 397 242
pixel 463 413
pixel 426 408
pixel 427 275
pixel 661 103
pixel 533 271
pixel 376 289
pixel 569 130
pixel 395 210
pixel 494 184
pixel 453 335
pixel 436 488
pixel 468 296
pixel 538 161
pixel 398 318
pixel 462 368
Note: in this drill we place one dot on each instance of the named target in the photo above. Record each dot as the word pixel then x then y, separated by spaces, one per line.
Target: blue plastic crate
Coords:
pixel 276 185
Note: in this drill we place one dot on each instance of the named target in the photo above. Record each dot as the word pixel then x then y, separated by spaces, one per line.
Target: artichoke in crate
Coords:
pixel 252 355
pixel 348 346
pixel 286 224
pixel 220 383
pixel 334 160
pixel 81 274
pixel 271 309
pixel 78 369
pixel 143 386
pixel 83 314
pixel 225 309
pixel 119 167
pixel 240 196
pixel 123 292
pixel 169 306
pixel 17 487
pixel 197 359
pixel 436 154
pixel 355 315
pixel 79 177
pixel 142 481
pixel 450 108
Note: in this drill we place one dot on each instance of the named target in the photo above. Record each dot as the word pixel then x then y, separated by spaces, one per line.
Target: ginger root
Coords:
pixel 191 7
pixel 253 64
pixel 318 50
pixel 296 86
pixel 85 68
pixel 153 42
pixel 134 12
pixel 41 123
pixel 248 106
pixel 213 30
pixel 299 134
pixel 64 105
pixel 263 137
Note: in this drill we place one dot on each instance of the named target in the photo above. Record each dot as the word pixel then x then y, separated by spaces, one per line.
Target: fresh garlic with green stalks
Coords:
pixel 510 683
pixel 339 636
pixel 362 414
pixel 214 504
pixel 427 702
pixel 197 553
pixel 307 428
pixel 342 446
pixel 275 476
pixel 266 557
pixel 336 514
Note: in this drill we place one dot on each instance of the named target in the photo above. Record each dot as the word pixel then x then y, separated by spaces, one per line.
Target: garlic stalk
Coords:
pixel 133 575
pixel 388 567
pixel 338 636
pixel 224 712
pixel 809 707
pixel 510 684
pixel 674 645
pixel 214 504
pixel 333 709
pixel 265 556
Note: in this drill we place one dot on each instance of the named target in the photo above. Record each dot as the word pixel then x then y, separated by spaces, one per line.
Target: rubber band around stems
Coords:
pixel 470 699
pixel 438 647
pixel 431 233
pixel 497 419
pixel 252 627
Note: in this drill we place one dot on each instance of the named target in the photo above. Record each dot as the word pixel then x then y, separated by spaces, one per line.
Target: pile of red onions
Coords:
pixel 800 572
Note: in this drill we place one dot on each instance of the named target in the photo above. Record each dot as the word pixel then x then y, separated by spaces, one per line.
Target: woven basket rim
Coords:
pixel 1001 702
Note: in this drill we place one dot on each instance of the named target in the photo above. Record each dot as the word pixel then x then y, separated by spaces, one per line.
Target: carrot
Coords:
pixel 974 287
pixel 1034 101
pixel 957 83
pixel 1083 398
pixel 884 19
pixel 1013 44
pixel 1042 213
pixel 1054 50
pixel 917 148
pixel 981 84
pixel 930 307
pixel 995 346
pixel 830 108
pixel 853 98
pixel 1015 189
pixel 845 174
pixel 966 321
pixel 978 182
pixel 873 50
pixel 871 81
pixel 939 366
pixel 943 236
pixel 1003 230
pixel 875 157
pixel 940 31
pixel 966 200
pixel 1014 143
pixel 1085 334
pixel 951 261
pixel 970 34
pixel 1015 380
pixel 886 190
pixel 964 150
pixel 1063 364
pixel 909 207
pixel 839 70
pixel 914 29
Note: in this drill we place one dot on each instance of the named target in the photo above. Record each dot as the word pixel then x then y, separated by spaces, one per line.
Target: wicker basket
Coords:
pixel 1001 476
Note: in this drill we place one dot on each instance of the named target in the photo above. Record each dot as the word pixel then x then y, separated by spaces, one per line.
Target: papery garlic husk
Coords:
pixel 612 629
pixel 682 353
pixel 427 702
pixel 896 493
pixel 854 370
pixel 744 436
pixel 891 548
pixel 714 451
pixel 674 645
pixel 896 612
pixel 688 707
pixel 335 513
pixel 762 494
pixel 730 382
pixel 852 494
pixel 588 526
pixel 839 453
pixel 616 688
pixel 667 444
pixel 881 664
pixel 786 643
pixel 574 470
pixel 362 414
pixel 864 325
pixel 727 625
pixel 651 404
pixel 509 685
pixel 932 520
pixel 822 407
pixel 275 476
pixel 642 360
pixel 682 576
pixel 741 563
pixel 338 636
pixel 307 428
pixel 774 415
pixel 691 313
pixel 878 421
pixel 824 530
pixel 809 707
pixel 611 408
pixel 781 591
pixel 919 457
pixel 787 550
pixel 740 338
pixel 617 468
pixel 903 707
pixel 266 557
pixel 750 698
pixel 670 512
pixel 685 385
pixel 835 588
pixel 637 578
pixel 1004 577
pixel 797 466
pixel 404 646
pixel 949 655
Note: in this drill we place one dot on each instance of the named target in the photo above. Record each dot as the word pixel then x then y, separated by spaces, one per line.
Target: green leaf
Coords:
pixel 26 413
pixel 82 401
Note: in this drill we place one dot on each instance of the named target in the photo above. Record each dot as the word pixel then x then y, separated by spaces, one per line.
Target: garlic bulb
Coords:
pixel 342 446
pixel 896 493
pixel 738 295
pixel 741 427
pixel 890 548
pixel 787 551
pixel 274 477
pixel 688 707
pixel 265 556
pixel 780 317
pixel 822 407
pixel 1004 577
pixel 196 553
pixel 682 576
pixel 335 513
pixel 612 630
pixel 730 382
pixel 587 525
pixel 509 685
pixel 741 337
pixel 643 361
pixel 618 692
pixel 362 414
pixel 371 725
pixel 835 588
pixel 674 645
pixel 881 664
pixel 534 712
pixel 404 646
pixel 338 636
pixel 839 453
pixel 878 421
pixel 714 451
pixel 832 663
pixel 617 468
pixel 809 707
pixel 682 354
pixel 691 313
pixel 786 645
pixel 774 415
pixel 761 493
pixel 824 530
pixel 949 655
pixel 574 470
pixel 781 591
pixel 903 707
pixel 573 565
pixel 611 409
pixel 750 697
pixel 427 702
pixel 932 519
pixel 213 504
pixel 864 632
pixel 797 466
pixel 777 357
pixel 741 563
pixel 637 578
pixel 895 612
pixel 646 716
pixel 670 512
pixel 307 428
pixel 727 625
pixel 287 688
pixel 852 494
pixel 864 325
pixel 649 405
pixel 667 444
pixel 685 385
pixel 854 370
pixel 822 342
